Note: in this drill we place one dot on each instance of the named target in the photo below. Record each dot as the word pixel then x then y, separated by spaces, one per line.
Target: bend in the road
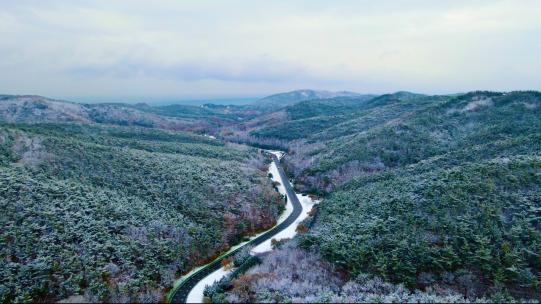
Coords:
pixel 180 294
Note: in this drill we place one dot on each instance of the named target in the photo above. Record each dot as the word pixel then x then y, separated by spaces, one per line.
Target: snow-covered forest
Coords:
pixel 116 214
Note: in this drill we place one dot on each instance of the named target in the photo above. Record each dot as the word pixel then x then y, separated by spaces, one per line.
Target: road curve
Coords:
pixel 180 294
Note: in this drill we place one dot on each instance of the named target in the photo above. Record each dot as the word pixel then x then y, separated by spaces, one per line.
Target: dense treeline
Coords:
pixel 117 214
pixel 455 196
pixel 425 190
pixel 337 117
pixel 478 222
pixel 428 129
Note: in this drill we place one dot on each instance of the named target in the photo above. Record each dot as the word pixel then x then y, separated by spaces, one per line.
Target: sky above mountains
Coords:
pixel 230 48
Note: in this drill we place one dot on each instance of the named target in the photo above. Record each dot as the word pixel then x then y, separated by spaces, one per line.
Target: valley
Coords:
pixel 119 213
pixel 422 198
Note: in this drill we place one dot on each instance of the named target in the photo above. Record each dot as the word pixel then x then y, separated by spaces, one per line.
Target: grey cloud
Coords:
pixel 216 47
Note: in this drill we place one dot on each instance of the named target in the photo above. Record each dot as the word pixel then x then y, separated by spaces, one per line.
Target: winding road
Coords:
pixel 180 293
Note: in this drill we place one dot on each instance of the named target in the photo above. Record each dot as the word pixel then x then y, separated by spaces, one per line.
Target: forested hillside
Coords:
pixel 423 191
pixel 457 192
pixel 389 132
pixel 200 119
pixel 436 193
pixel 116 214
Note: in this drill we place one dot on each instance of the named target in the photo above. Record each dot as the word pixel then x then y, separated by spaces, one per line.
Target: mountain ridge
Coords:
pixel 280 100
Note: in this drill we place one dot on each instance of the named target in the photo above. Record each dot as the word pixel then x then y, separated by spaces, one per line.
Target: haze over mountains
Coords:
pixel 31 108
pixel 38 109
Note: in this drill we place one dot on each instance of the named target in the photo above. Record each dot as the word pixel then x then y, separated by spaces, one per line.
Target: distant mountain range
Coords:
pixel 281 100
pixel 38 109
pixel 201 118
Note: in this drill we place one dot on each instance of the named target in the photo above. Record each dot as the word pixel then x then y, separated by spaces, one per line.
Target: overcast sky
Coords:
pixel 229 48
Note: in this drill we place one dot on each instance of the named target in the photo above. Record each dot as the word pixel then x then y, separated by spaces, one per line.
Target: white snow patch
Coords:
pixel 307 203
pixel 475 104
pixel 278 154
pixel 276 177
pixel 530 105
pixel 196 294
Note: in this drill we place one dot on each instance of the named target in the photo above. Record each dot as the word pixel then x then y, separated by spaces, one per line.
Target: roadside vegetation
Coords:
pixel 293 275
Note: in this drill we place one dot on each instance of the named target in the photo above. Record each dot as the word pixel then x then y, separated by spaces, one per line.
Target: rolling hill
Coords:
pixel 38 109
pixel 99 213
pixel 432 192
